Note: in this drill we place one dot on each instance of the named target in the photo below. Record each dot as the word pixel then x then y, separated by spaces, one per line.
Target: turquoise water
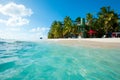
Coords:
pixel 20 60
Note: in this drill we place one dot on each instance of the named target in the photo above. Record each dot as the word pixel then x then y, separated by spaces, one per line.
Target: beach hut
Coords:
pixel 92 33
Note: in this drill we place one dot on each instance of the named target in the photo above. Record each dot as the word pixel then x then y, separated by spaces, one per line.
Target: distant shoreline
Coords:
pixel 89 42
pixel 86 42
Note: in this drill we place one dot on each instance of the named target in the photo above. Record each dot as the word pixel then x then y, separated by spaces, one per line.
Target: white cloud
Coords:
pixel 40 31
pixel 7 34
pixel 16 14
pixel 17 21
pixel 17 33
pixel 13 9
pixel 14 29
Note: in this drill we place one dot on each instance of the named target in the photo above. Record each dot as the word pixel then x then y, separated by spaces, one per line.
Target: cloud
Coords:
pixel 14 29
pixel 16 14
pixel 18 34
pixel 17 21
pixel 40 31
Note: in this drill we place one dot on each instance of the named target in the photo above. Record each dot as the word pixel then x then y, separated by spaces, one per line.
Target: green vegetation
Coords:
pixel 105 22
pixel 56 30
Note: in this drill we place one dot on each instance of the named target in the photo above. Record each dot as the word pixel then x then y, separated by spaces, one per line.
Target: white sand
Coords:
pixel 89 42
pixel 108 40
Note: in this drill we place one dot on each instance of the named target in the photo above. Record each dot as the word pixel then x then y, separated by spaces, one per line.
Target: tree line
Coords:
pixel 105 22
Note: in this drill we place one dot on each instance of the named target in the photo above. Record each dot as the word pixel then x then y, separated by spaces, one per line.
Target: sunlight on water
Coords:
pixel 46 61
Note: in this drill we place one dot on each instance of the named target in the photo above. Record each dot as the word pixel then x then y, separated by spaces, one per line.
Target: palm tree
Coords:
pixel 109 19
pixel 55 30
pixel 78 20
pixel 74 30
pixel 89 18
pixel 67 26
pixel 58 30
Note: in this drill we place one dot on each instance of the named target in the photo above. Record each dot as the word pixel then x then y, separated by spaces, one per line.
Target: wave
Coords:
pixel 31 60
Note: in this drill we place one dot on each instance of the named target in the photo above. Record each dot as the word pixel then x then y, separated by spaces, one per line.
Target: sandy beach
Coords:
pixel 89 42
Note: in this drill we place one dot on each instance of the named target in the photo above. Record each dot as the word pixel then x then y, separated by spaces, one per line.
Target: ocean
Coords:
pixel 25 60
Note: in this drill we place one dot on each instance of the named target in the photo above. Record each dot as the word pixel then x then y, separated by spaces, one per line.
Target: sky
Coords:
pixel 31 19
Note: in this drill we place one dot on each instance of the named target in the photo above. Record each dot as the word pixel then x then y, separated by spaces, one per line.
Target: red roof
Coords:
pixel 91 32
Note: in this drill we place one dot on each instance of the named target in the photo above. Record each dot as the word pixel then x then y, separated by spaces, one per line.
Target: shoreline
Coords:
pixel 89 42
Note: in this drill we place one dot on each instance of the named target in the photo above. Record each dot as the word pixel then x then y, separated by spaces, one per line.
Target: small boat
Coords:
pixel 41 38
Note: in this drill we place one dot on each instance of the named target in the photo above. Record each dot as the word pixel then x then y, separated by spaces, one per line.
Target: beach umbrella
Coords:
pixel 91 32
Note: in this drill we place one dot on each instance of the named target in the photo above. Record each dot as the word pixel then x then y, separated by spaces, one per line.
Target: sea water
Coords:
pixel 22 60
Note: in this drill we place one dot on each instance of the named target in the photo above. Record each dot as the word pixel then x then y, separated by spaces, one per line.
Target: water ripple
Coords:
pixel 44 61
